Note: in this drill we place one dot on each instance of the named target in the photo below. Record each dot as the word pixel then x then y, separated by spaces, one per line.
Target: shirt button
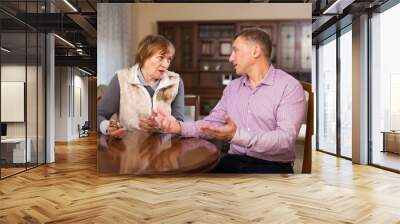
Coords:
pixel 249 111
pixel 248 129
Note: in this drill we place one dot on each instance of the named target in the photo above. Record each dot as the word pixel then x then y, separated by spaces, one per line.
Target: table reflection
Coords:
pixel 145 153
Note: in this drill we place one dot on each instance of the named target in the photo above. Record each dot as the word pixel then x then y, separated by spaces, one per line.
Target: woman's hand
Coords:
pixel 115 130
pixel 149 124
pixel 165 122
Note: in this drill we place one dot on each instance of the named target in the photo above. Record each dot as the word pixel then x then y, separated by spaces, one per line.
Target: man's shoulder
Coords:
pixel 285 79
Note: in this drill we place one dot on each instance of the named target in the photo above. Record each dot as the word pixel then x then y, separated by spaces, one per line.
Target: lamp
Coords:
pixel 84 71
pixel 5 50
pixel 64 40
pixel 337 7
pixel 70 5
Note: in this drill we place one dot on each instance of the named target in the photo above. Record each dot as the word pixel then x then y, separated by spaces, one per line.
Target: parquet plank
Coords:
pixel 70 191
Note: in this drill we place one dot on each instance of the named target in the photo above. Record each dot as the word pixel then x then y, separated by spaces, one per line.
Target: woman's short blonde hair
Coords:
pixel 152 44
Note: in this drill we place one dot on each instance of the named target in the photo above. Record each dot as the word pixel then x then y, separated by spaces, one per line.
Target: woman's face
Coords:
pixel 156 65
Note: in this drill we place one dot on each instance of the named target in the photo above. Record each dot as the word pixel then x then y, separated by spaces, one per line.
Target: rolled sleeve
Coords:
pixel 103 126
pixel 216 117
pixel 242 138
pixel 188 129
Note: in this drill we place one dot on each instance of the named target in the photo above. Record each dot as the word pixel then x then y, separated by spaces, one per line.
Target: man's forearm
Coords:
pixel 273 142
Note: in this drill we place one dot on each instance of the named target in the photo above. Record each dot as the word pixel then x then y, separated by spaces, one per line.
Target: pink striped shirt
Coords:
pixel 268 118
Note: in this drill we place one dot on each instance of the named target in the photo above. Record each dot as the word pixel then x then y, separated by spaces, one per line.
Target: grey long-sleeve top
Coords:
pixel 109 103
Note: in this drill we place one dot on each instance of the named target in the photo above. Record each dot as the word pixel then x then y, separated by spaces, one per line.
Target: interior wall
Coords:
pixel 71 87
pixel 80 109
pixel 62 81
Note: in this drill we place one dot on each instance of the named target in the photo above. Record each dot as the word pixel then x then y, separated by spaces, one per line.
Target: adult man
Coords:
pixel 259 114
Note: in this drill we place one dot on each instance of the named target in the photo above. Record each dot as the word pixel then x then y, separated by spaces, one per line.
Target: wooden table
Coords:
pixel 141 153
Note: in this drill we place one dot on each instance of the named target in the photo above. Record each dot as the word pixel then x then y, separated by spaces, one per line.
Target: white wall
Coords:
pixel 70 83
pixel 61 103
pixel 33 127
pixel 80 98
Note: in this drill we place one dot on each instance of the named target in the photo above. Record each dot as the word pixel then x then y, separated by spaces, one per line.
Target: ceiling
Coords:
pixel 72 20
pixel 332 15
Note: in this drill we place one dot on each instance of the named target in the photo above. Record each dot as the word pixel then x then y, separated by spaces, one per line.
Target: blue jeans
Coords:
pixel 231 163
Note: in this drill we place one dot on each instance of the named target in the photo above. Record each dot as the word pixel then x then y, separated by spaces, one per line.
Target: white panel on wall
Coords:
pixel 12 101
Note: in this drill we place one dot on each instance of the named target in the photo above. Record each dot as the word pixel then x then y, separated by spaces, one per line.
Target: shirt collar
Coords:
pixel 268 79
pixel 143 81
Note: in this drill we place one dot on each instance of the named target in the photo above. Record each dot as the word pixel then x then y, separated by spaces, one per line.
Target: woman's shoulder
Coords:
pixel 125 74
pixel 125 70
pixel 173 75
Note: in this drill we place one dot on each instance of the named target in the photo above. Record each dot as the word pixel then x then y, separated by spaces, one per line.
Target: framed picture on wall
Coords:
pixel 225 48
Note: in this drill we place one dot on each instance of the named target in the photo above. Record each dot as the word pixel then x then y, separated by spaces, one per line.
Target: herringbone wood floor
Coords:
pixel 70 191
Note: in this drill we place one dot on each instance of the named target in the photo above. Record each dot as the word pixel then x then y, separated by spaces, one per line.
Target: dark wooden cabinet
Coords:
pixel 203 49
pixel 214 48
pixel 294 51
pixel 170 31
pixel 184 37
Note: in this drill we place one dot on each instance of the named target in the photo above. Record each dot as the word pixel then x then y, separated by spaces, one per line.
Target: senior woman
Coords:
pixel 135 92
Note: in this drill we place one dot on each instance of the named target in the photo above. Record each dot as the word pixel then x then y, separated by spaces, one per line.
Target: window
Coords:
pixel 346 93
pixel 327 97
pixel 22 65
pixel 385 89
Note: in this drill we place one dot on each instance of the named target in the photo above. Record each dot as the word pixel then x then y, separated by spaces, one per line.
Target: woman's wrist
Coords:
pixel 178 127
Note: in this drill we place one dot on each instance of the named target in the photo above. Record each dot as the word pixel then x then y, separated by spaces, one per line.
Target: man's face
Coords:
pixel 241 56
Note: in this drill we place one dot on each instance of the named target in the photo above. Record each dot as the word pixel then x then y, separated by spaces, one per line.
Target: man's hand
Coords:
pixel 225 132
pixel 165 122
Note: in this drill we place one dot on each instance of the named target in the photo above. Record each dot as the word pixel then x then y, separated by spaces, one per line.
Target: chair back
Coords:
pixel 86 125
pixel 303 145
pixel 192 107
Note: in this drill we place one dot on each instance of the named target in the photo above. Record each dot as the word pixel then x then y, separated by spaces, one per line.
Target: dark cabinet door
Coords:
pixel 170 31
pixel 294 54
pixel 215 40
pixel 183 36
pixel 188 47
